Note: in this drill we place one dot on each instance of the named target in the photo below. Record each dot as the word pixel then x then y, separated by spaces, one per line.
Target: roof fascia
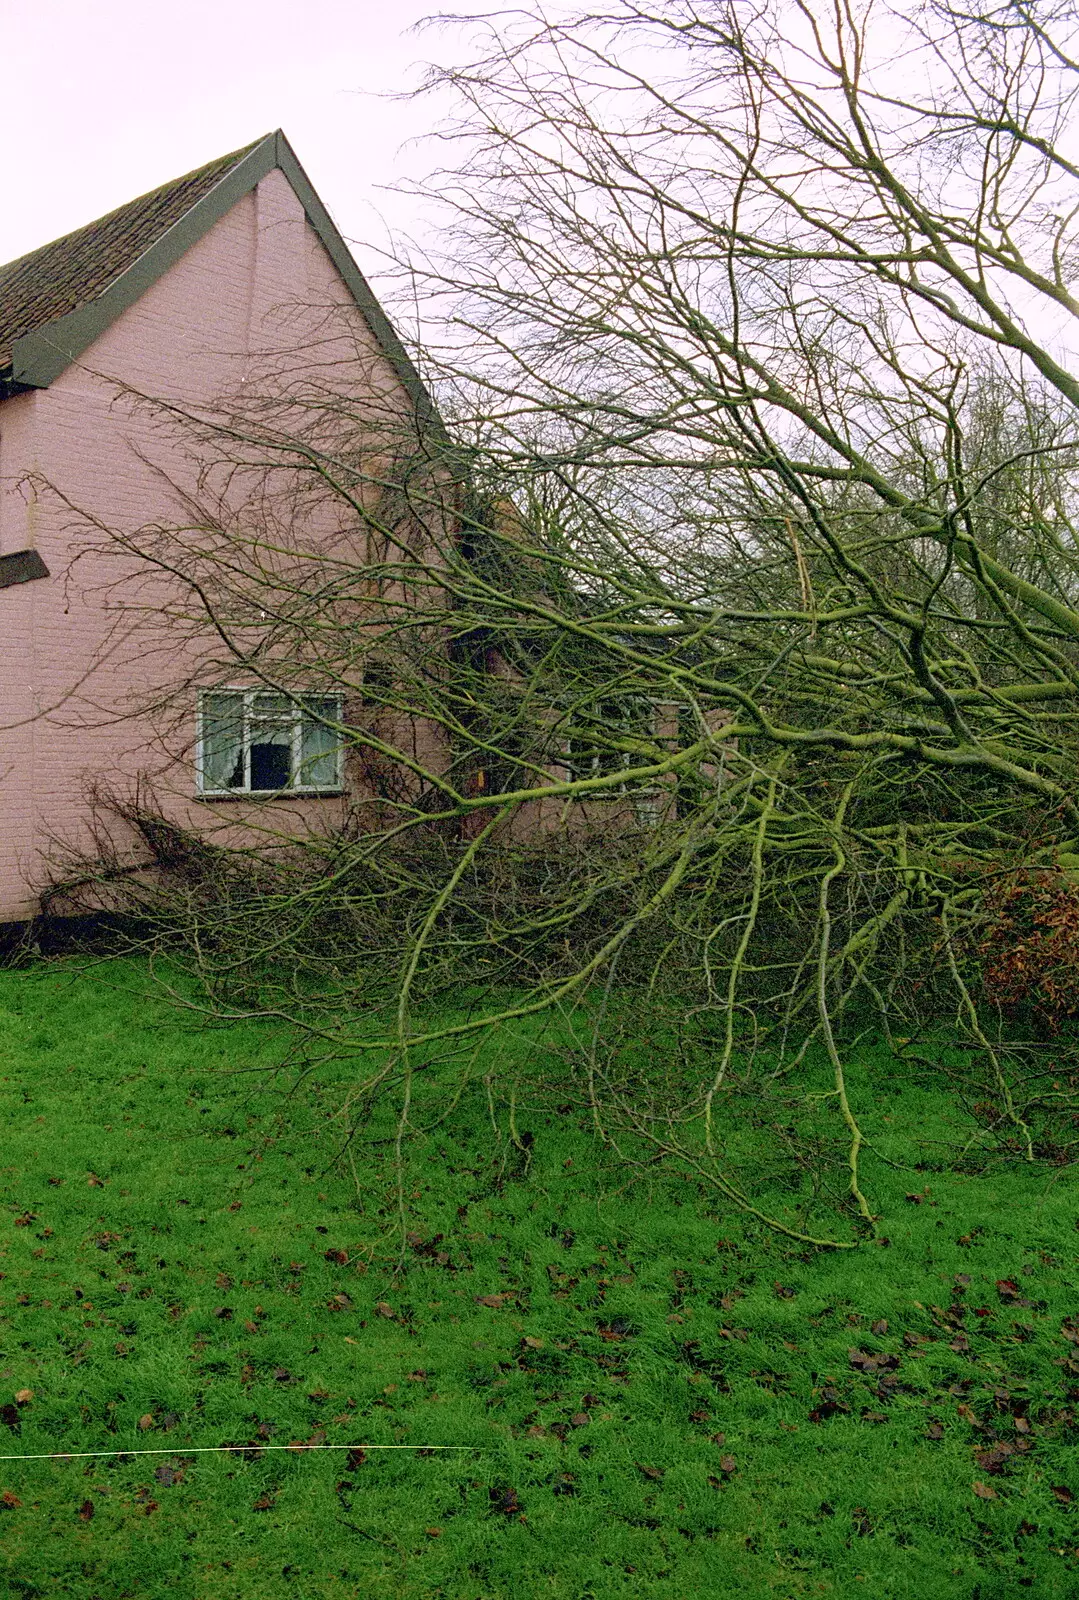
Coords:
pixel 341 256
pixel 40 356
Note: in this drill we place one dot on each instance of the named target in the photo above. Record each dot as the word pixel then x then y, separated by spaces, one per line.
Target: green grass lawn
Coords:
pixel 656 1398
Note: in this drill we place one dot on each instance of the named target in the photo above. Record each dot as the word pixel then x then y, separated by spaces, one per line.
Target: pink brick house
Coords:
pixel 209 283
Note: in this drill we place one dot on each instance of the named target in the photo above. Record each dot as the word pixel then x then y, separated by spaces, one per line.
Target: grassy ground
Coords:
pixel 656 1399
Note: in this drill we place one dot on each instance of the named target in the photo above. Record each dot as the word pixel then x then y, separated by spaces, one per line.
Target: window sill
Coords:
pixel 262 796
pixel 610 796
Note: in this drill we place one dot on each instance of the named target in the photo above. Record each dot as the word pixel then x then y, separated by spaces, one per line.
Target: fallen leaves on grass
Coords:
pixel 9 1501
pixel 315 1442
pixel 249 1451
pixel 265 1502
pixel 655 1473
pixel 1063 1493
pixel 23 1397
pixel 984 1491
pixel 338 1257
pixel 86 1511
pixel 430 1248
pixel 870 1361
pixel 615 1330
pixel 146 1422
pixel 1008 1290
pixel 495 1301
pixel 170 1473
pixel 829 1403
pixel 504 1500
pixel 995 1457
pixel 382 1309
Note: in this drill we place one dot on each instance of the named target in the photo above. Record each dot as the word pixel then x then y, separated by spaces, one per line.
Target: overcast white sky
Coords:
pixel 106 99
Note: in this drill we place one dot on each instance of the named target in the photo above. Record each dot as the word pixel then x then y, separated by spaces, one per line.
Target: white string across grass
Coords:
pixel 226 1449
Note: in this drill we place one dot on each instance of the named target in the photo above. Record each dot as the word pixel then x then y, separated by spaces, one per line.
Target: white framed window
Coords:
pixel 592 751
pixel 251 741
pixel 593 748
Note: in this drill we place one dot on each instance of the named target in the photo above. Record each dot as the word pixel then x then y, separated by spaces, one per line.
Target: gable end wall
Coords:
pixel 257 293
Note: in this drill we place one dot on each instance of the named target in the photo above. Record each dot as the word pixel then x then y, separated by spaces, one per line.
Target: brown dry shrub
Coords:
pixel 1030 947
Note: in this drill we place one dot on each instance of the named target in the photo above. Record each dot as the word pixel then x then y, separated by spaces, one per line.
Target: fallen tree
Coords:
pixel 743 648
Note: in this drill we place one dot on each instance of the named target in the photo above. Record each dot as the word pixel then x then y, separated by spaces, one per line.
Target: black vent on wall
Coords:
pixel 21 567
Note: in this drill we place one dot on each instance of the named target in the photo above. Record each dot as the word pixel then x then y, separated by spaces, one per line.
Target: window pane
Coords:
pixel 271 754
pixel 319 745
pixel 277 706
pixel 597 731
pixel 222 741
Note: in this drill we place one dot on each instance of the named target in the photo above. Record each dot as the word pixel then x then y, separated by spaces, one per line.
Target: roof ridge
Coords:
pixel 77 268
pixel 55 301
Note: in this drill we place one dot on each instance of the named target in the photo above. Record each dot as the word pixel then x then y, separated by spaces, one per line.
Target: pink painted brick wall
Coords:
pixel 256 301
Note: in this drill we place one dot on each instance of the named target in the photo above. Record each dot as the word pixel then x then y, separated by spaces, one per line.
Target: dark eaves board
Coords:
pixel 41 354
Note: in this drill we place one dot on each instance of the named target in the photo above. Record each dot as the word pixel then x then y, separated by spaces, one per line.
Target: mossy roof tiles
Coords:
pixel 70 272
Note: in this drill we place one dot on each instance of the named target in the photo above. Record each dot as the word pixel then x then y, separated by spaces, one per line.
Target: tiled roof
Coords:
pixel 66 274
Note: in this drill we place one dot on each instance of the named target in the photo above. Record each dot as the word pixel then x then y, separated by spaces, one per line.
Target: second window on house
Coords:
pixel 599 732
pixel 254 742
